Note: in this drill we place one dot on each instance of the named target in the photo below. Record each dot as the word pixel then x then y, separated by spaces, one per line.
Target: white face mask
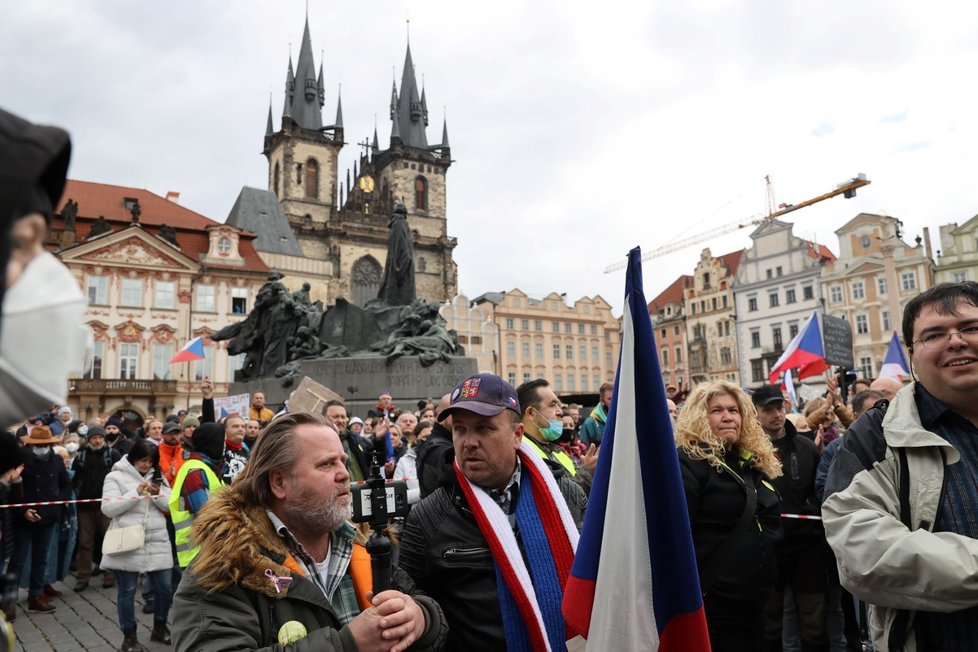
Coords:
pixel 44 305
pixel 72 447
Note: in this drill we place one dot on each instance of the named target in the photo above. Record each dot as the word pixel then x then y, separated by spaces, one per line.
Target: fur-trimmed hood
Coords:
pixel 238 545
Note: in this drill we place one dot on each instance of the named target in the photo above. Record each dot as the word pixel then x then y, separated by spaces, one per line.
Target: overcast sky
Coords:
pixel 579 129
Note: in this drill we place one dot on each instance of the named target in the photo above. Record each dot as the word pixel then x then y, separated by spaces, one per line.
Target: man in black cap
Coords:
pixel 91 465
pixel 474 530
pixel 13 457
pixel 801 561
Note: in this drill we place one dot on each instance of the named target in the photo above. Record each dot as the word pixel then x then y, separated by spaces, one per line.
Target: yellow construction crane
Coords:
pixel 847 189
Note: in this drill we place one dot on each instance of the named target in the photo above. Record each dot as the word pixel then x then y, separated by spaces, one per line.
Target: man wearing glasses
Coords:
pixel 902 493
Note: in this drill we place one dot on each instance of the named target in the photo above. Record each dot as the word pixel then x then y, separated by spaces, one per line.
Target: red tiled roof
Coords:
pixel 672 294
pixel 731 261
pixel 100 199
pixel 817 251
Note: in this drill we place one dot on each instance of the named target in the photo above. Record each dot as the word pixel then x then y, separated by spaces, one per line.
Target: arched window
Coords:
pixel 420 193
pixel 422 264
pixel 312 179
pixel 365 276
pixel 278 174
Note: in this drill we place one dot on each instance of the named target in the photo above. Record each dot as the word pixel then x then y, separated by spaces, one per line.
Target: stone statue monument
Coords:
pixel 397 286
pixel 286 328
pixel 99 226
pixel 69 212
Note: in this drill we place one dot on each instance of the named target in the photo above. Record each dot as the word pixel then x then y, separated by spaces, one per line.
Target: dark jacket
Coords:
pixel 434 456
pixel 715 501
pixel 444 552
pixel 44 479
pixel 234 607
pixel 799 461
pixel 90 470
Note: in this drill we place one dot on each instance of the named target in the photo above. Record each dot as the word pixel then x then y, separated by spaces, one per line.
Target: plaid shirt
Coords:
pixel 331 577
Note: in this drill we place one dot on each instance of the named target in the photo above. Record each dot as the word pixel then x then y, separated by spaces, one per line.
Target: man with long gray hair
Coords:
pixel 274 566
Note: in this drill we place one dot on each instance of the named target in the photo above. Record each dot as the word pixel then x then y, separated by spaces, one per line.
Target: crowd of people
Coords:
pixel 247 539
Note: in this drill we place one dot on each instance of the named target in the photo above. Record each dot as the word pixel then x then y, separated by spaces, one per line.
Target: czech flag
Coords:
pixel 895 363
pixel 192 350
pixel 634 583
pixel 804 353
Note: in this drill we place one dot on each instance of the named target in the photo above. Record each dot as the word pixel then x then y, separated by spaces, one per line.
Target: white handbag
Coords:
pixel 125 539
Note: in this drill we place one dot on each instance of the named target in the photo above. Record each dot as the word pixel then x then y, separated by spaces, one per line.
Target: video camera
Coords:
pixel 376 501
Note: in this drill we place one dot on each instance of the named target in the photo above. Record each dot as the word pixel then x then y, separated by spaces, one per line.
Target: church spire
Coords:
pixel 444 134
pixel 410 109
pixel 339 110
pixel 320 87
pixel 306 109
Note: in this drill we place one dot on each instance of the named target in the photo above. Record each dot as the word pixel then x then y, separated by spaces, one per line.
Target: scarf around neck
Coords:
pixel 529 596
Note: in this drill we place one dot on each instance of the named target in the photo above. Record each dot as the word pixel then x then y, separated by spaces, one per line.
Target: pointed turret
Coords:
pixel 444 134
pixel 396 130
pixel 375 146
pixel 319 83
pixel 269 128
pixel 393 99
pixel 410 109
pixel 424 107
pixel 289 90
pixel 339 112
pixel 306 106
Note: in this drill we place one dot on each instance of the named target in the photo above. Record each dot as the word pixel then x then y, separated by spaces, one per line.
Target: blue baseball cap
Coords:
pixel 484 394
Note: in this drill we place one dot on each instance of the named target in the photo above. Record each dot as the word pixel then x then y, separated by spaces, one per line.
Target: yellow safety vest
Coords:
pixel 562 457
pixel 181 517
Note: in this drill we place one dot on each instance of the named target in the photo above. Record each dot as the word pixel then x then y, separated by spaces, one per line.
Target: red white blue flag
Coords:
pixel 895 363
pixel 192 350
pixel 804 353
pixel 634 583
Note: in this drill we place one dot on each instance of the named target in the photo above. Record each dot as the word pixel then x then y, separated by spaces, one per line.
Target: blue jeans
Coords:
pixel 126 596
pixel 32 542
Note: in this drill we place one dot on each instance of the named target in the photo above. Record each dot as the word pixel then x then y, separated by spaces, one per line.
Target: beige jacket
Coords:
pixel 880 560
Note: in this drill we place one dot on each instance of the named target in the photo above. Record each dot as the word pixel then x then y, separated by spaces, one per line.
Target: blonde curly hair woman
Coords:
pixel 727 463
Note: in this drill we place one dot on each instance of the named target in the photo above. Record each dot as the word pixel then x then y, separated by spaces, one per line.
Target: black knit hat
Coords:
pixel 208 440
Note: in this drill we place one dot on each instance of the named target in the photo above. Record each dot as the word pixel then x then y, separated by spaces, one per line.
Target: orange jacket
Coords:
pixel 171 459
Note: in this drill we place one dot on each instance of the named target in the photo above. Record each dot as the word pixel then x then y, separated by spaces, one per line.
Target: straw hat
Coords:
pixel 40 436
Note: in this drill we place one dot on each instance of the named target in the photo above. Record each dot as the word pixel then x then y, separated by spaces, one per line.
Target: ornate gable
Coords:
pixel 131 247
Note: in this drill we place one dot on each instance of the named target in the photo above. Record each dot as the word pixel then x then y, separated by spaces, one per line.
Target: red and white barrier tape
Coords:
pixel 805 517
pixel 79 500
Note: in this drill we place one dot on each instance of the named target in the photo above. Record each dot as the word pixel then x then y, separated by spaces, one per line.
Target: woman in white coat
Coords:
pixel 139 474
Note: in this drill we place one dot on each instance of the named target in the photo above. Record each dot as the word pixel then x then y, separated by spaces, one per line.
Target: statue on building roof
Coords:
pixel 99 226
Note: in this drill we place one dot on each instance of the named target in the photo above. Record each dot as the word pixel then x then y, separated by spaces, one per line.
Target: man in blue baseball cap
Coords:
pixel 462 543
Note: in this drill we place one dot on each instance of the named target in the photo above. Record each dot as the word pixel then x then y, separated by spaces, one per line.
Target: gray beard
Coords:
pixel 307 516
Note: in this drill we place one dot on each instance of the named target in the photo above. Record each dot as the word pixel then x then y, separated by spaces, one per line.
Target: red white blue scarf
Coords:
pixel 536 603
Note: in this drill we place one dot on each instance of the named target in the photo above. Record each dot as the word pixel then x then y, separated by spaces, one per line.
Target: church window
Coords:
pixel 298 173
pixel 420 193
pixel 312 179
pixel 278 174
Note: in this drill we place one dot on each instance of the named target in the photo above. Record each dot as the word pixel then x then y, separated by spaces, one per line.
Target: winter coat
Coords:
pixel 90 469
pixel 43 479
pixel 234 607
pixel 895 569
pixel 716 500
pixel 156 553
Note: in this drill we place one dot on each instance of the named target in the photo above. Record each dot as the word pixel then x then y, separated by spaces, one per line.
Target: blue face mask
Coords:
pixel 554 430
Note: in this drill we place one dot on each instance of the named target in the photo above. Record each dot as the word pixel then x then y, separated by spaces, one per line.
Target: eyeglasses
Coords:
pixel 937 340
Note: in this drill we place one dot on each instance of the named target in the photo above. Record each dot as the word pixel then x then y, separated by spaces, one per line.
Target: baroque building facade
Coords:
pixel 668 314
pixel 776 290
pixel 575 347
pixel 156 275
pixel 957 259
pixel 710 329
pixel 334 234
pixel 876 274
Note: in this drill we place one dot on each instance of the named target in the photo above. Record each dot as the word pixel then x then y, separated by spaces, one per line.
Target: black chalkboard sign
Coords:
pixel 837 340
